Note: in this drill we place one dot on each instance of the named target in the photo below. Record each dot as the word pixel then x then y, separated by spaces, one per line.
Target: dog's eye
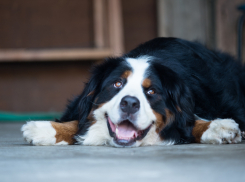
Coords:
pixel 150 92
pixel 118 84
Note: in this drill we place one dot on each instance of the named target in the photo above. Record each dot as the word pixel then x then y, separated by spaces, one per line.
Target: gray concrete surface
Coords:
pixel 179 163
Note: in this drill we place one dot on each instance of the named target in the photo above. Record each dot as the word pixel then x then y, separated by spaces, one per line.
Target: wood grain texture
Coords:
pixel 46 86
pixel 115 27
pixel 139 21
pixel 227 17
pixel 41 86
pixel 46 24
pixel 52 54
pixel 188 19
pixel 99 12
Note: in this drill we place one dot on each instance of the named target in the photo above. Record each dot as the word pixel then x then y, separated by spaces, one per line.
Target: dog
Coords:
pixel 166 91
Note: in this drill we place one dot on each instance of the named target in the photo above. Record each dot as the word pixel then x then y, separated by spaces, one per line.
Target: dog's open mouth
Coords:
pixel 125 133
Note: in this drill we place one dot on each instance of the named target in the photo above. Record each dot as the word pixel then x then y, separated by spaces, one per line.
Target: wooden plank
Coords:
pixel 9 55
pixel 115 27
pixel 41 86
pixel 99 12
pixel 191 20
pixel 227 17
pixel 161 13
pixel 139 22
pixel 42 24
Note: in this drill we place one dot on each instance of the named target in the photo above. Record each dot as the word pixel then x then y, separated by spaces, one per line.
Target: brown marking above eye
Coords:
pixel 146 83
pixel 118 84
pixel 126 74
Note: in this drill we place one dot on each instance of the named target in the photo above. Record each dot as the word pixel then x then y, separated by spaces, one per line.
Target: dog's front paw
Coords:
pixel 222 131
pixel 39 133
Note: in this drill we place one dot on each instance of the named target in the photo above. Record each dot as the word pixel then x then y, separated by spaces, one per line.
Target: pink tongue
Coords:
pixel 126 130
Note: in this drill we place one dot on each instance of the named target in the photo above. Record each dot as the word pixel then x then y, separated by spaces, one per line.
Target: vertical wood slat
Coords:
pixel 108 33
pixel 161 30
pixel 99 16
pixel 176 19
pixel 115 27
pixel 226 16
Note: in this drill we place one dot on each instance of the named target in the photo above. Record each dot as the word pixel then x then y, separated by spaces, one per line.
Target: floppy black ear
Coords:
pixel 80 107
pixel 179 100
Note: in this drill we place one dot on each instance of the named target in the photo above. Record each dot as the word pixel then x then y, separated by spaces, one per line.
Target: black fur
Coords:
pixel 176 94
pixel 80 107
pixel 215 80
pixel 196 80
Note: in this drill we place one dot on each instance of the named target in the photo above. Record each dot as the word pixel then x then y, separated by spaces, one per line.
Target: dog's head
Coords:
pixel 134 102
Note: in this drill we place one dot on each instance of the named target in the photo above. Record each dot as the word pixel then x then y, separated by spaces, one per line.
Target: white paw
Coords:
pixel 222 131
pixel 39 133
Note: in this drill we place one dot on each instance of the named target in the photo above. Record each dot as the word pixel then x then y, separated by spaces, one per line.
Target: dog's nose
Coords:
pixel 130 104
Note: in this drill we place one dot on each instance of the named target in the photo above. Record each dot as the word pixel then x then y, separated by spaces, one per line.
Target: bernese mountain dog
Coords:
pixel 166 91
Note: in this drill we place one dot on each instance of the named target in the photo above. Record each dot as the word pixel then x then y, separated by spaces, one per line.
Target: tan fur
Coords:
pixel 146 83
pixel 160 123
pixel 178 109
pixel 91 116
pixel 90 93
pixel 65 131
pixel 126 74
pixel 199 128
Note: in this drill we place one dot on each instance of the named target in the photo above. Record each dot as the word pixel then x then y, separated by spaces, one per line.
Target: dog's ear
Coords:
pixel 179 100
pixel 80 107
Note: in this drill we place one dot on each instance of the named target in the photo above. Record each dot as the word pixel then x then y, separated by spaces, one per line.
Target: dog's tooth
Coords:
pixel 116 131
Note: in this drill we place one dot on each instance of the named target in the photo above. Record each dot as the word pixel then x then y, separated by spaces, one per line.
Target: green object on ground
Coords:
pixel 15 117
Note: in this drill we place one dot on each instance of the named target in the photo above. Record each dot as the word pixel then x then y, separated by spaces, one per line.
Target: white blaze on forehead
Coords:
pixel 134 82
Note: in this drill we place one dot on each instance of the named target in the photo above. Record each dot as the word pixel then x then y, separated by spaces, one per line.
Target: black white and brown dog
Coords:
pixel 157 94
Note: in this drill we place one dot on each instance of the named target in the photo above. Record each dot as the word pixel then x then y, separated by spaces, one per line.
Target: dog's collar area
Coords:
pixel 125 133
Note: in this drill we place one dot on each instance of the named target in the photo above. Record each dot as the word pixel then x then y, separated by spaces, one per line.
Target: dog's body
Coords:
pixel 156 94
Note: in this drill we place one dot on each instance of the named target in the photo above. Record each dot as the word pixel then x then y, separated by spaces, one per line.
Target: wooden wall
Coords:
pixel 187 19
pixel 45 23
pixel 40 86
pixel 139 21
pixel 212 22
pixel 46 86
pixel 227 17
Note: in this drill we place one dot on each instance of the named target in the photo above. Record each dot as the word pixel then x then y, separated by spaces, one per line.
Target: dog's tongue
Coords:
pixel 126 130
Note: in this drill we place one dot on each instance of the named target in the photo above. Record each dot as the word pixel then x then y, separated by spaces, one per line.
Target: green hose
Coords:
pixel 16 117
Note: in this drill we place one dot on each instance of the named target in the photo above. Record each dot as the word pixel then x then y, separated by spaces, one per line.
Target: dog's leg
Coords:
pixel 49 132
pixel 217 131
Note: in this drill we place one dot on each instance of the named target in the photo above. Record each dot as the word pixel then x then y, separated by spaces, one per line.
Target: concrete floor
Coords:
pixel 194 162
